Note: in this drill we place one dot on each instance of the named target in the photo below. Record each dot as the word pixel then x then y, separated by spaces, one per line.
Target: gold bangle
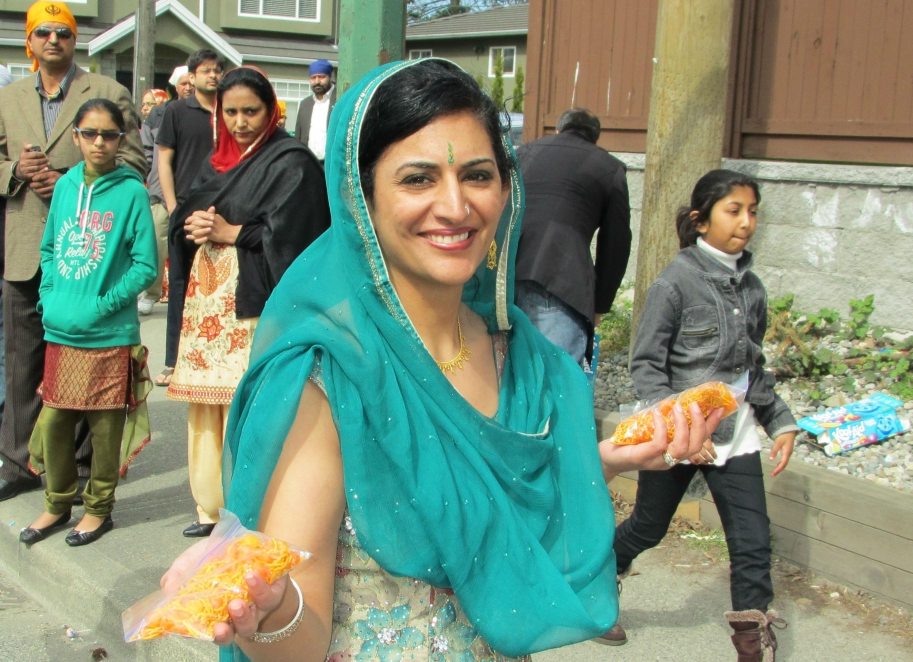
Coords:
pixel 279 635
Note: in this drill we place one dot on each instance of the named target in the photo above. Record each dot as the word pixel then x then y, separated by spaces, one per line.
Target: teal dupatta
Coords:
pixel 511 512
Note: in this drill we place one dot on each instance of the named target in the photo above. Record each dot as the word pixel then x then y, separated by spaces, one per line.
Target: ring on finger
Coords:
pixel 668 459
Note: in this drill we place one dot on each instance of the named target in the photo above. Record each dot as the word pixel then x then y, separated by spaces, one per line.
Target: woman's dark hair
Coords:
pixel 413 98
pixel 105 105
pixel 710 189
pixel 251 79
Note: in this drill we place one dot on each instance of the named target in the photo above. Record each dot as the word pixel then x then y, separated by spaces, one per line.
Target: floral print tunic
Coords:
pixel 215 345
pixel 379 617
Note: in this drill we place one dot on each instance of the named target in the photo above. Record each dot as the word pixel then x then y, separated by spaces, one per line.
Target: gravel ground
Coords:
pixel 887 463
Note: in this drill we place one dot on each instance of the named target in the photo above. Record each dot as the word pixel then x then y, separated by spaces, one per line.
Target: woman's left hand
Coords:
pixel 686 441
pixel 203 226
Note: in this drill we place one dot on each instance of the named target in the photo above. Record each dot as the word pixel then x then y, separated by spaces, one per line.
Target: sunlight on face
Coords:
pixel 732 221
pixel 435 220
pixel 245 115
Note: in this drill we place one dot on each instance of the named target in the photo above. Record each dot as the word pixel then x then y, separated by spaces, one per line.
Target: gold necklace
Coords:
pixel 457 362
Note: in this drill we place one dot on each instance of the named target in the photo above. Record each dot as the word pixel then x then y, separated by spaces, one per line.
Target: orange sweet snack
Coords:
pixel 203 601
pixel 638 429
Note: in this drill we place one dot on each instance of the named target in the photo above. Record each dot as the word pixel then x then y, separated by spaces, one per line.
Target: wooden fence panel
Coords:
pixel 829 80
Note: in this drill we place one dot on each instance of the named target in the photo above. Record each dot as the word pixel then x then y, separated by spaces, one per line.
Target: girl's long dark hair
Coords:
pixel 710 189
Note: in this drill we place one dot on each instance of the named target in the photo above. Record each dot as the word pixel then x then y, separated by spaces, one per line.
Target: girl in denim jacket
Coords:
pixel 704 320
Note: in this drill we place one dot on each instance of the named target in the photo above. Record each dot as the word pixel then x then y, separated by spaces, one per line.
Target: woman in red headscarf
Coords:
pixel 258 202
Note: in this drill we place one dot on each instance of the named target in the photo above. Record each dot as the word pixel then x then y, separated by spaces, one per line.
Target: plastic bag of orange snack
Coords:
pixel 193 606
pixel 638 428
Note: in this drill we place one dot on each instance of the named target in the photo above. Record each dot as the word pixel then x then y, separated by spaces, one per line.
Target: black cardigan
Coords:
pixel 279 196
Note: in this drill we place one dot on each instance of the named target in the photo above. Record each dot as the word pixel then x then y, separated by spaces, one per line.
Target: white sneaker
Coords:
pixel 144 305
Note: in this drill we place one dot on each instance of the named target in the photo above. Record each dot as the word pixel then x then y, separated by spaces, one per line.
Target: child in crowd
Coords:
pixel 704 320
pixel 97 255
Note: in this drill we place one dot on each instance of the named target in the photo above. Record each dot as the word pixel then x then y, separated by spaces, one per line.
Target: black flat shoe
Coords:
pixel 30 536
pixel 8 490
pixel 78 538
pixel 197 530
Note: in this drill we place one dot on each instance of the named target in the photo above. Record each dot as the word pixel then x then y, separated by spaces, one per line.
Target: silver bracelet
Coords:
pixel 668 459
pixel 279 635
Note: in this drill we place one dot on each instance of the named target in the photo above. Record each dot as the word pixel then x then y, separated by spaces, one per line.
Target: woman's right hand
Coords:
pixel 245 618
pixel 687 441
pixel 198 226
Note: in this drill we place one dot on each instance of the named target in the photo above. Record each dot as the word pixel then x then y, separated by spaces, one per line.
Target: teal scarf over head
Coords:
pixel 511 512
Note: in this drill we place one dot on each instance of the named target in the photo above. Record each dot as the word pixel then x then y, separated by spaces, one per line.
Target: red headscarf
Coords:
pixel 226 153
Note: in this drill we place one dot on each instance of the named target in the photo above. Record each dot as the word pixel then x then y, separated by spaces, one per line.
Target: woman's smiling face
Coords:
pixel 437 201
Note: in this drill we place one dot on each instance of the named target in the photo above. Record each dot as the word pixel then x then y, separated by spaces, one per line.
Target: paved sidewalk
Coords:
pixel 672 613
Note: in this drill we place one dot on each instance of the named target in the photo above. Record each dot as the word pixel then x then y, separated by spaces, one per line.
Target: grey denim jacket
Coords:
pixel 703 322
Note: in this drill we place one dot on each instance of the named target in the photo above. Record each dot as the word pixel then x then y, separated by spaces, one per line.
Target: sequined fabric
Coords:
pixel 381 617
pixel 86 379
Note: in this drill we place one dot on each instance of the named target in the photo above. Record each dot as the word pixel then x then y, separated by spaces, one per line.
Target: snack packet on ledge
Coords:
pixel 193 606
pixel 638 428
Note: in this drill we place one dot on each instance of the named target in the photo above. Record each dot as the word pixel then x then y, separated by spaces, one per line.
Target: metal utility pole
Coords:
pixel 371 33
pixel 686 126
pixel 143 49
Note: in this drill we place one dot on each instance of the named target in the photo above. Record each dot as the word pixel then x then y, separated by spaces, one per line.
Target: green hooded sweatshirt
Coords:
pixel 97 255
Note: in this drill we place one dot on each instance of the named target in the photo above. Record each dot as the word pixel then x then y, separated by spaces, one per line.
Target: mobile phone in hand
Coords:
pixel 34 148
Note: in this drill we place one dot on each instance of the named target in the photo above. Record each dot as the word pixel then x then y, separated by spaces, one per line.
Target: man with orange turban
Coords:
pixel 47 16
pixel 36 148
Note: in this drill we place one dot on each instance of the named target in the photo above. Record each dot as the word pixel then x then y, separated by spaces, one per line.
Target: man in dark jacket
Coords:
pixel 314 111
pixel 573 189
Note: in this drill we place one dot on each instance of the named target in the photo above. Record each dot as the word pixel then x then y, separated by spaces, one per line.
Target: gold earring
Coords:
pixel 493 255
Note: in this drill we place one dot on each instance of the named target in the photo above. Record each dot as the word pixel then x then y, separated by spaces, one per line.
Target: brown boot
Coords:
pixel 754 637
pixel 616 636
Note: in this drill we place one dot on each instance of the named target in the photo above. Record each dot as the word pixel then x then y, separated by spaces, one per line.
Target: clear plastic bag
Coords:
pixel 192 606
pixel 638 427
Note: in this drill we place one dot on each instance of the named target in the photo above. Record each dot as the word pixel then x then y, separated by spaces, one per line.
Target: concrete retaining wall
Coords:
pixel 826 233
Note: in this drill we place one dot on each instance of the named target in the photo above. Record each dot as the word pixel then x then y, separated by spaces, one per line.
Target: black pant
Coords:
pixel 24 346
pixel 738 490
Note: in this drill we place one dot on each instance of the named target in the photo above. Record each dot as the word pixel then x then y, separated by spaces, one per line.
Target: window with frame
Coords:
pixel 418 54
pixel 291 92
pixel 20 71
pixel 509 58
pixel 301 10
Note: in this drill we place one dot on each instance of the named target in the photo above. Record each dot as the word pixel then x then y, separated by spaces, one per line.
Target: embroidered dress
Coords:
pixel 85 378
pixel 215 344
pixel 377 616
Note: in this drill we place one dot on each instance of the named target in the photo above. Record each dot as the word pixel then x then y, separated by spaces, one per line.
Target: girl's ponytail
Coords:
pixel 710 189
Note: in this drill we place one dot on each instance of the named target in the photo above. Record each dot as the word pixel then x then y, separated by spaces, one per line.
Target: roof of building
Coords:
pixel 507 20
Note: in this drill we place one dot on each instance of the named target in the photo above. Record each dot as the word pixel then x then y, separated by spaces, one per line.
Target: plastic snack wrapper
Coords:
pixel 192 606
pixel 638 428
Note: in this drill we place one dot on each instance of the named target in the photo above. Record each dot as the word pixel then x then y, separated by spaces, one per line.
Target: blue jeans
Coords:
pixel 557 321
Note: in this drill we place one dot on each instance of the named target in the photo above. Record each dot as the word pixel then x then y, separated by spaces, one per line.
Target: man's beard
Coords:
pixel 320 88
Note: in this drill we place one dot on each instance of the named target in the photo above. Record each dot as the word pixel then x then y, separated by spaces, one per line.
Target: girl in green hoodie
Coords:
pixel 98 254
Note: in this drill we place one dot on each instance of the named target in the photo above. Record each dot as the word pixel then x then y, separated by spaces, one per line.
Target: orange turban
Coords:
pixel 281 108
pixel 46 12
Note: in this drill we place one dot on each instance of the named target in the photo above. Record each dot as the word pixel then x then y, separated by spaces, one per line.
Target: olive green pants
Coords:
pixel 54 445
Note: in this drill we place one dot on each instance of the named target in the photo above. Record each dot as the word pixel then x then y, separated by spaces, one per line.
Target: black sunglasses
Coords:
pixel 92 134
pixel 44 33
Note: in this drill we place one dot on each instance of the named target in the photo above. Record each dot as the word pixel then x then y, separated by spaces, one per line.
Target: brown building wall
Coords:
pixel 818 80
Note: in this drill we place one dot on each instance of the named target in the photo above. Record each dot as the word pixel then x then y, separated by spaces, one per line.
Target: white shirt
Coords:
pixel 317 136
pixel 745 438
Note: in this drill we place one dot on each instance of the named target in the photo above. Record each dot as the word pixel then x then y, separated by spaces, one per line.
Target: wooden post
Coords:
pixel 686 127
pixel 371 33
pixel 143 49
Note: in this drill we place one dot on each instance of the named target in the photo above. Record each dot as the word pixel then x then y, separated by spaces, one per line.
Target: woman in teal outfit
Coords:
pixel 403 421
